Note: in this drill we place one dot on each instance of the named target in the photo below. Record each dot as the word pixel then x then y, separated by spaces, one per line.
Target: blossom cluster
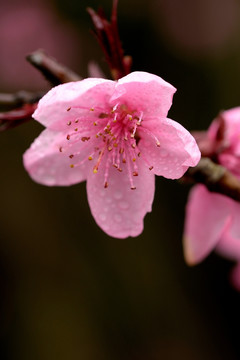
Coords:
pixel 212 220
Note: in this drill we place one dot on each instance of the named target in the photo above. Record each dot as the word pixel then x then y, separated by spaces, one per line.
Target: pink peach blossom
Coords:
pixel 212 220
pixel 116 136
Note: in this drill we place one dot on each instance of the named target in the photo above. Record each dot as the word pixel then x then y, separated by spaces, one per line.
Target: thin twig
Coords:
pixel 53 71
pixel 19 98
pixel 215 177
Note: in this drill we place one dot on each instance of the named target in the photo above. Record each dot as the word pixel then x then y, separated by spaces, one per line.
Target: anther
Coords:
pixel 92 109
pixel 139 154
pixel 110 148
pixel 158 143
pixel 95 170
pixel 95 124
pixel 76 121
pixel 60 149
pixel 68 109
pixel 106 185
pixel 119 169
pixel 68 137
pixel 124 161
pixel 85 138
pixel 125 138
pixel 115 145
pixel 72 166
pixel 76 129
pixel 90 158
pixel 133 146
pixel 71 156
pixel 69 123
pixel 115 165
pixel 135 173
pixel 121 151
pixel 133 187
pixel 151 167
pixel 134 159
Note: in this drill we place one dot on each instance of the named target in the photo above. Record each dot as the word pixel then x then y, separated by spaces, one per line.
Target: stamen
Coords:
pixel 69 123
pixel 68 137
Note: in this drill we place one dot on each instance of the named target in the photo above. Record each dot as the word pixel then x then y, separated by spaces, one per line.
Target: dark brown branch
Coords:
pixel 215 177
pixel 19 98
pixel 13 118
pixel 108 37
pixel 53 71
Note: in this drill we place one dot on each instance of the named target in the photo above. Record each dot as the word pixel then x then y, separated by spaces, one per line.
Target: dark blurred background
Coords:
pixel 67 290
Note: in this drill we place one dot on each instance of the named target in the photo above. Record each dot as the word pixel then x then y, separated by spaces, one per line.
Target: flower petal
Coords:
pixel 208 216
pixel 178 149
pixel 47 165
pixel 229 245
pixel 118 210
pixel 85 94
pixel 144 92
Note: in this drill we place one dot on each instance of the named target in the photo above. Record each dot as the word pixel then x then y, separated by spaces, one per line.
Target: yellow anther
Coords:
pixel 92 109
pixel 115 145
pixel 95 124
pixel 134 159
pixel 95 170
pixel 71 166
pixel 90 158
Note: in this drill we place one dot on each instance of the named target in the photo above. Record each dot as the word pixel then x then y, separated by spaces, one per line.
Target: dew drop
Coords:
pixel 102 217
pixel 117 218
pixel 124 205
pixel 118 195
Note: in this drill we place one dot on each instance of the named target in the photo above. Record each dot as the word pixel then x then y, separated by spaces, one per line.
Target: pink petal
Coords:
pixel 208 216
pixel 85 94
pixel 178 149
pixel 47 165
pixel 144 92
pixel 229 245
pixel 118 210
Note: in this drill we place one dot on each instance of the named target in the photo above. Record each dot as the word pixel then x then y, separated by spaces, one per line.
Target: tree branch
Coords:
pixel 53 71
pixel 19 98
pixel 215 177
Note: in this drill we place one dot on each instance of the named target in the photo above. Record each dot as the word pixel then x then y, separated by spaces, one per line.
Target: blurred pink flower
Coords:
pixel 212 220
pixel 116 136
pixel 26 26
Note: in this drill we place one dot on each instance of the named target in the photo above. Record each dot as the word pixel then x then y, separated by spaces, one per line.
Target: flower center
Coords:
pixel 112 139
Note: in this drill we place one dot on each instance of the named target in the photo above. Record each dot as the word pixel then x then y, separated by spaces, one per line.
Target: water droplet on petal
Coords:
pixel 117 218
pixel 124 205
pixel 118 195
pixel 102 217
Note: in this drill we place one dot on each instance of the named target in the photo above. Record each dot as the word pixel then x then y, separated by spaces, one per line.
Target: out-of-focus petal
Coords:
pixel 146 92
pixel 89 93
pixel 47 165
pixel 177 151
pixel 208 216
pixel 118 210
